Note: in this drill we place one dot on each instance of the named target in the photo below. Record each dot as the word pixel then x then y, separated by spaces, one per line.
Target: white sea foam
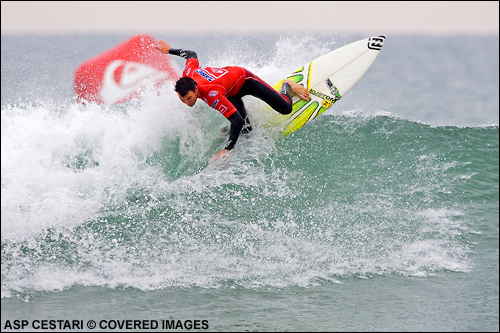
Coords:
pixel 279 212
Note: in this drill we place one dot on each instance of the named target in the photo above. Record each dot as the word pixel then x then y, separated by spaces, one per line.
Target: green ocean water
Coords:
pixel 382 214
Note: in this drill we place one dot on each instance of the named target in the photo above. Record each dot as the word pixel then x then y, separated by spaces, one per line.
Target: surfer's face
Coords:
pixel 190 98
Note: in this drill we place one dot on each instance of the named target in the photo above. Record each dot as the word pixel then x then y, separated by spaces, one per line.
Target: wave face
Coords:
pixel 385 183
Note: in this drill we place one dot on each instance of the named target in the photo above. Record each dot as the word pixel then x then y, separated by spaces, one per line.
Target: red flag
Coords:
pixel 119 74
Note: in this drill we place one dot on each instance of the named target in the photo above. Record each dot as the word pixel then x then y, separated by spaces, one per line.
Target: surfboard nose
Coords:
pixel 376 43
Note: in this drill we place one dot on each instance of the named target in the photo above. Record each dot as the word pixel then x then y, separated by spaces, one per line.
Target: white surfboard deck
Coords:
pixel 327 78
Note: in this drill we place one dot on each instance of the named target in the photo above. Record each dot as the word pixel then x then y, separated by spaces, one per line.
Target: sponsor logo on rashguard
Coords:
pixel 218 71
pixel 213 93
pixel 205 75
pixel 210 74
pixel 222 109
pixel 215 103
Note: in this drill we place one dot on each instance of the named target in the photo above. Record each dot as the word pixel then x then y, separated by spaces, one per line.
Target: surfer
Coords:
pixel 223 89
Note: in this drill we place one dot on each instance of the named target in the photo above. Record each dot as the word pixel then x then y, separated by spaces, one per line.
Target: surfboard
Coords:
pixel 327 78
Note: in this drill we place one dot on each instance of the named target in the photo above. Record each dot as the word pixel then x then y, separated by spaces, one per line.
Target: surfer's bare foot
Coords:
pixel 298 90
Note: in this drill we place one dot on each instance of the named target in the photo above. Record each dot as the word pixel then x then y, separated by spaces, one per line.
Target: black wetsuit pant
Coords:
pixel 255 86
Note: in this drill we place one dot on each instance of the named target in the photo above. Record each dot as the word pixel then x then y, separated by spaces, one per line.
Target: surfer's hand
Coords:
pixel 163 46
pixel 304 94
pixel 298 90
pixel 224 153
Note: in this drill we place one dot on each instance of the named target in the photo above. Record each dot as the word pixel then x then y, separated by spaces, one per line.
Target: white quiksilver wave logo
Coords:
pixel 134 76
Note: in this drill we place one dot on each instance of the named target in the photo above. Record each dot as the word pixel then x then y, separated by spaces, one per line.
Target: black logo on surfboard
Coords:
pixel 333 90
pixel 376 43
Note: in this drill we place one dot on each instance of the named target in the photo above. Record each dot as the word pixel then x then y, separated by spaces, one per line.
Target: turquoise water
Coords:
pixel 382 214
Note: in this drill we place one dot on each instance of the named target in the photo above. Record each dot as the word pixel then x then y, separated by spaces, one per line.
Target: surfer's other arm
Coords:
pixel 165 48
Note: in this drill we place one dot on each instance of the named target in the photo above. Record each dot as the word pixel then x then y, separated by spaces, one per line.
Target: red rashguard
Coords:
pixel 215 85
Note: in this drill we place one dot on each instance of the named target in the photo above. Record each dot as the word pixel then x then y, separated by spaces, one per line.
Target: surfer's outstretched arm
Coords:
pixel 237 123
pixel 165 48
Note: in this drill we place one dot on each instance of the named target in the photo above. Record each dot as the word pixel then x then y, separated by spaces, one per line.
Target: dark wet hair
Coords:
pixel 184 85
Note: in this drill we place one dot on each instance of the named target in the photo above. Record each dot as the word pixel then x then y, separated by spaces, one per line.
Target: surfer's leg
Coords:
pixel 279 101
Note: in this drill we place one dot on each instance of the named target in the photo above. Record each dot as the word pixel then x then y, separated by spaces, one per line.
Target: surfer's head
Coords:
pixel 187 90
